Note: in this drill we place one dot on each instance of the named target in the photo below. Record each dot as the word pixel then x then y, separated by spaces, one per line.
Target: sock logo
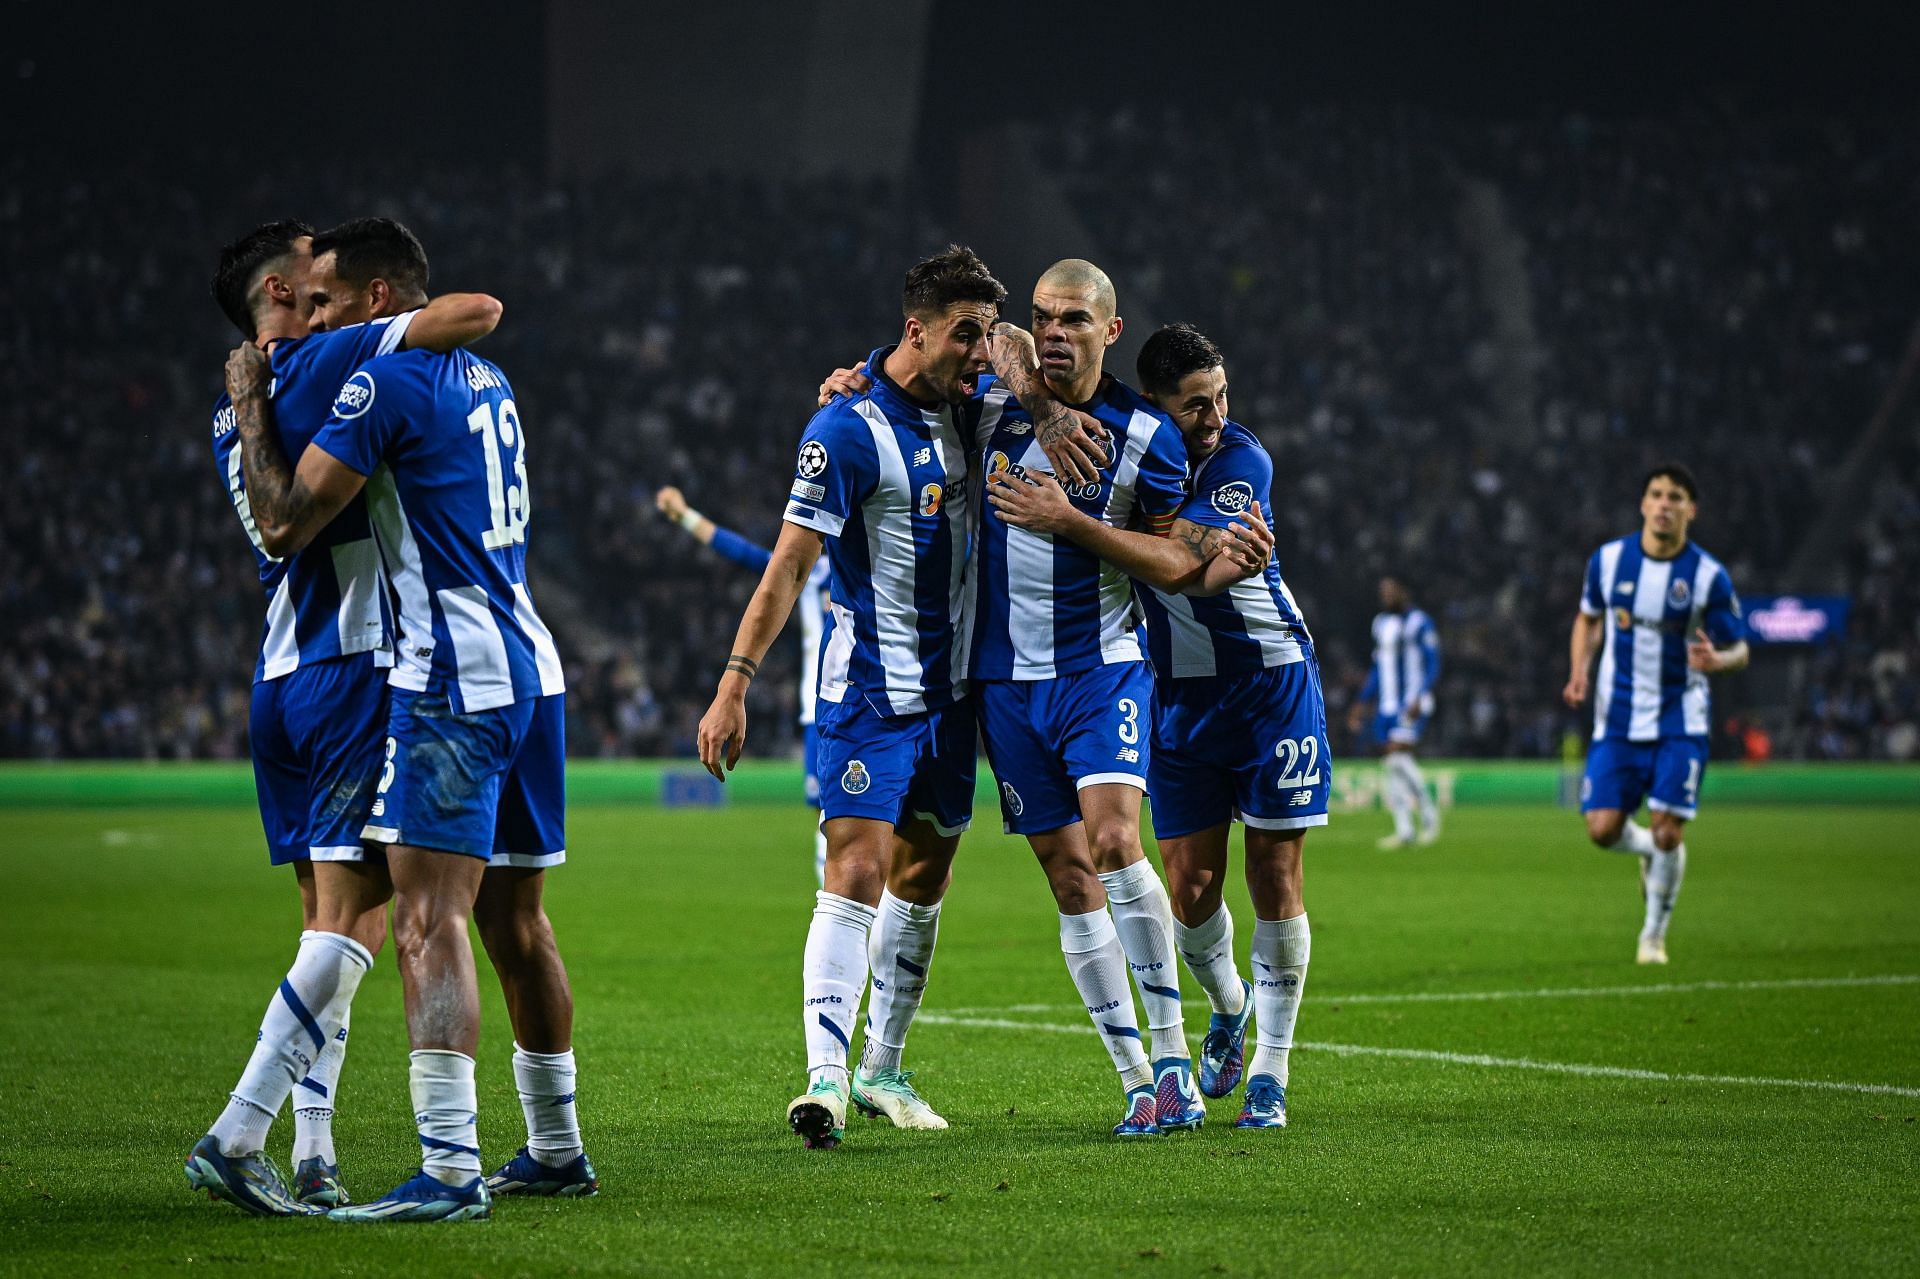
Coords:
pixel 824 999
pixel 856 779
pixel 1107 1007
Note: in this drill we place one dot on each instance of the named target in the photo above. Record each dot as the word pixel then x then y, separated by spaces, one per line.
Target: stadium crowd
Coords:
pixel 1730 293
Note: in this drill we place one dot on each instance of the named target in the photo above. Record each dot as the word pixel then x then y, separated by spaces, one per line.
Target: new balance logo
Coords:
pixel 1301 798
pixel 922 456
pixel 1128 755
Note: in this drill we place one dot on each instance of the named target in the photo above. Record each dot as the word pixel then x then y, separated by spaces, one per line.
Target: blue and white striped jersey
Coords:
pixel 1645 690
pixel 1406 663
pixel 815 622
pixel 1043 607
pixel 884 477
pixel 440 440
pixel 1253 625
pixel 330 599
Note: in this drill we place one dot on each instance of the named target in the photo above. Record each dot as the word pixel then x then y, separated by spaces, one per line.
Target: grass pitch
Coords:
pixel 1450 1111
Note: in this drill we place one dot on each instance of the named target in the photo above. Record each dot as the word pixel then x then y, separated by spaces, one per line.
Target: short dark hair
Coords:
pixel 368 249
pixel 955 275
pixel 1171 354
pixel 1678 473
pixel 242 259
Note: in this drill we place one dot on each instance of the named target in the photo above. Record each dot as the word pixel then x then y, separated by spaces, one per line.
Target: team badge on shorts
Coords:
pixel 856 778
pixel 1012 798
pixel 813 459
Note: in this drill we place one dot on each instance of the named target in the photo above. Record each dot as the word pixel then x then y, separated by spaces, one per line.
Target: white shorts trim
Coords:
pixel 338 853
pixel 1661 806
pixel 533 861
pixel 1282 823
pixel 1112 779
pixel 381 834
pixel 944 830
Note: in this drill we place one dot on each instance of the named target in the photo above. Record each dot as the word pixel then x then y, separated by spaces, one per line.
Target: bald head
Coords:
pixel 1077 275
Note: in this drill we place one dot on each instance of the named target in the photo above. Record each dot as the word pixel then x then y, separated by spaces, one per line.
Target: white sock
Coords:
pixel 1280 951
pixel 1417 787
pixel 1208 950
pixel 820 855
pixel 1397 795
pixel 1635 839
pixel 899 952
pixel 545 1082
pixel 314 1103
pixel 1098 967
pixel 1665 871
pixel 445 1111
pixel 302 1016
pixel 833 970
pixel 1143 918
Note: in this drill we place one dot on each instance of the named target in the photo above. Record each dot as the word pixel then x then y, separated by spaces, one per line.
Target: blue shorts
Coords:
pixel 1391 730
pixel 1247 746
pixel 896 768
pixel 316 734
pixel 491 784
pixel 811 737
pixel 1666 773
pixel 1047 738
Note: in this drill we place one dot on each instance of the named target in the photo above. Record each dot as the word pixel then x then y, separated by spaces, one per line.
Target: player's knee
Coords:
pixel 1193 894
pixel 1113 845
pixel 1667 832
pixel 1604 827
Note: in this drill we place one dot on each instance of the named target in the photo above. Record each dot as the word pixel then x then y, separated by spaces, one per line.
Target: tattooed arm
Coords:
pixel 1074 443
pixel 1193 559
pixel 289 506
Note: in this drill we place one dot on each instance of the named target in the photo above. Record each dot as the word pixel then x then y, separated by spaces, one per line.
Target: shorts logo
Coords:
pixel 356 396
pixel 813 460
pixel 1011 798
pixel 811 492
pixel 930 499
pixel 1231 499
pixel 856 779
pixel 1301 798
pixel 1586 789
pixel 1679 593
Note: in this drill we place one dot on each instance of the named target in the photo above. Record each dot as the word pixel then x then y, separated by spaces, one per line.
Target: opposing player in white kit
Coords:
pixel 1663 615
pixel 1406 663
pixel 1240 723
pixel 816 622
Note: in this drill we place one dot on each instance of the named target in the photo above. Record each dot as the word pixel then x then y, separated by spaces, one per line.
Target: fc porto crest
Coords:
pixel 1012 799
pixel 856 779
pixel 1679 594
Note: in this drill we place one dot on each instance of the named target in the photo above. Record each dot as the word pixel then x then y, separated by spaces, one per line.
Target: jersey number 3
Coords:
pixel 507 503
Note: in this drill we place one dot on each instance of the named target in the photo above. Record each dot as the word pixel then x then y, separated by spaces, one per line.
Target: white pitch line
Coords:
pixel 1478 1059
pixel 1566 992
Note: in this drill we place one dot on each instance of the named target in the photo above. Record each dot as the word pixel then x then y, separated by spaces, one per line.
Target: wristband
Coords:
pixel 690 520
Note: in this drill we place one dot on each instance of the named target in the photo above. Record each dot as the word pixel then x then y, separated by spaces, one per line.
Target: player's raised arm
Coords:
pixel 1074 443
pixel 289 506
pixel 723 729
pixel 452 320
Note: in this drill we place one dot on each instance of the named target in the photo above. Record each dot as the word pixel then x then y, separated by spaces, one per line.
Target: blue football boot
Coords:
pixel 525 1175
pixel 249 1182
pixel 424 1197
pixel 1143 1116
pixel 317 1182
pixel 1266 1104
pixel 1222 1052
pixel 1176 1100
